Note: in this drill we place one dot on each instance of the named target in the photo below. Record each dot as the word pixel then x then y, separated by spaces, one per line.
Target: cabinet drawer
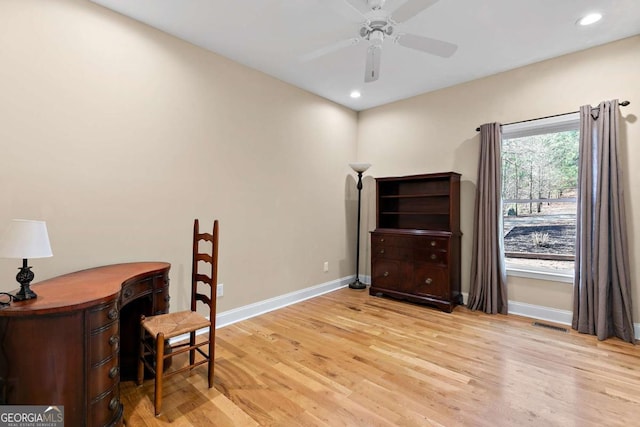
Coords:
pixel 391 239
pixel 104 343
pixel 432 243
pixel 432 256
pixel 391 252
pixel 103 315
pixel 391 274
pixel 104 377
pixel 431 280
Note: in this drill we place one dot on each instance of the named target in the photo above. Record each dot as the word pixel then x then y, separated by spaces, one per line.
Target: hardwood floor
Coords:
pixel 349 359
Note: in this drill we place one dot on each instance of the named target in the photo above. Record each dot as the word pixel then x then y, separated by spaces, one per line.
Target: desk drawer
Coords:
pixel 106 408
pixel 103 315
pixel 104 343
pixel 136 289
pixel 104 376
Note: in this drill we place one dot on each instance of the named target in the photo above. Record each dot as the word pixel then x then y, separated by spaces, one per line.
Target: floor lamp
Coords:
pixel 359 168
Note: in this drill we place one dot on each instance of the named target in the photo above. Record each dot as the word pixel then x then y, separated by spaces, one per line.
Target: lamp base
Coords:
pixel 357 284
pixel 24 277
pixel 24 294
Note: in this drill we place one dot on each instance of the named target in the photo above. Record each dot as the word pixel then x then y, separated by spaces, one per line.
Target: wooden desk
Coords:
pixel 71 345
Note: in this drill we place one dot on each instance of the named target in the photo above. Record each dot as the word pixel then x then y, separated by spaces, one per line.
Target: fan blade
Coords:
pixel 410 9
pixel 372 68
pixel 329 49
pixel 353 10
pixel 359 5
pixel 426 44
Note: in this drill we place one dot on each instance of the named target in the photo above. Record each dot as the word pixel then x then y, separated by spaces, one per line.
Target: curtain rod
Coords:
pixel 622 104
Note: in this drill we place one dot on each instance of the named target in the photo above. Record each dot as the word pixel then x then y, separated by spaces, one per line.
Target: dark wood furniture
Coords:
pixel 415 248
pixel 69 346
pixel 156 331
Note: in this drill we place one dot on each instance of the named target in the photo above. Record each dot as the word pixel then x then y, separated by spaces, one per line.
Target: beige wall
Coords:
pixel 436 132
pixel 119 136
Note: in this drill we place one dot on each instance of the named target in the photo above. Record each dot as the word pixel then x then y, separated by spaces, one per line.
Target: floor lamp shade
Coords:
pixel 359 168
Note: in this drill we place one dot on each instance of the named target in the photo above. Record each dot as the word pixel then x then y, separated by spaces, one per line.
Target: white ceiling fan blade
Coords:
pixel 426 44
pixel 410 9
pixel 353 10
pixel 329 49
pixel 372 68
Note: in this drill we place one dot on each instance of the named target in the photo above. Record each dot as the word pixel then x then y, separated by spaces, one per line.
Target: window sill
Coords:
pixel 554 276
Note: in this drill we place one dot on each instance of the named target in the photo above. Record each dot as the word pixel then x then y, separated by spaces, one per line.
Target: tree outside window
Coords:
pixel 539 189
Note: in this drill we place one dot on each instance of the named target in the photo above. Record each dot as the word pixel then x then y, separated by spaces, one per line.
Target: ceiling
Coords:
pixel 277 37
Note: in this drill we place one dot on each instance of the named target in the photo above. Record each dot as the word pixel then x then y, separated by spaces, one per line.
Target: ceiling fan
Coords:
pixel 378 25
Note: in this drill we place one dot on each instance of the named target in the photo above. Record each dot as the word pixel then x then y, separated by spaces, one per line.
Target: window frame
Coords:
pixel 553 124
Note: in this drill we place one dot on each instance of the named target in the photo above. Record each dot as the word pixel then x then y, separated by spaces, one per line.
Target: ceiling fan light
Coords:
pixel 589 19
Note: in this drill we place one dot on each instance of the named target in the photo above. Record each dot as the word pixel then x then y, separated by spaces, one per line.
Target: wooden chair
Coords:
pixel 156 331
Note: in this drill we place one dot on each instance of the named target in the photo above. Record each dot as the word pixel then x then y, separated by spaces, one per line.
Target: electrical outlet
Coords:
pixel 326 266
pixel 220 290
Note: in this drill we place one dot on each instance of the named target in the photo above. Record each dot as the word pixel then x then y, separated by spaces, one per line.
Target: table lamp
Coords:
pixel 25 239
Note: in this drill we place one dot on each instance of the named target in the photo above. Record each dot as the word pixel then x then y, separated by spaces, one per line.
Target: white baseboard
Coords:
pixel 229 317
pixel 246 312
pixel 539 312
pixel 563 317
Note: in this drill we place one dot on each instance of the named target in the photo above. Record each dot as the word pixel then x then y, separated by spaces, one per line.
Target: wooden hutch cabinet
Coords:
pixel 415 248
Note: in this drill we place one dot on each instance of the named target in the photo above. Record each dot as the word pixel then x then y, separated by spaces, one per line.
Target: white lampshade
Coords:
pixel 360 167
pixel 25 239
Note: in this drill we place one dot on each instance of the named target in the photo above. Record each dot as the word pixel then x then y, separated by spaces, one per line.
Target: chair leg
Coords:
pixel 212 354
pixel 192 353
pixel 157 402
pixel 140 376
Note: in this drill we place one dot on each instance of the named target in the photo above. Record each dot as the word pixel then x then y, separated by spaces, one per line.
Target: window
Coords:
pixel 539 193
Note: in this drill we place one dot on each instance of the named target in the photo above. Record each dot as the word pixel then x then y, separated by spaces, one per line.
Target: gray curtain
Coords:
pixel 488 290
pixel 602 287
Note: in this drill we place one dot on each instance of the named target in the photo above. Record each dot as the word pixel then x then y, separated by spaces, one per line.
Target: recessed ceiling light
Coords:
pixel 355 94
pixel 589 19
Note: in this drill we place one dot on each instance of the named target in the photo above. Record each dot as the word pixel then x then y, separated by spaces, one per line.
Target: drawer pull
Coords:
pixel 128 292
pixel 433 256
pixel 386 273
pixel 113 372
pixel 382 239
pixel 114 341
pixel 433 243
pixel 113 403
pixel 113 314
pixel 428 281
pixel 381 251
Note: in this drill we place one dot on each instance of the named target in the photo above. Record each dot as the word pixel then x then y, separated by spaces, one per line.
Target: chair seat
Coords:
pixel 174 324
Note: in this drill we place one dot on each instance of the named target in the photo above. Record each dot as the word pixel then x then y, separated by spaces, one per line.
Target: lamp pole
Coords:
pixel 359 168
